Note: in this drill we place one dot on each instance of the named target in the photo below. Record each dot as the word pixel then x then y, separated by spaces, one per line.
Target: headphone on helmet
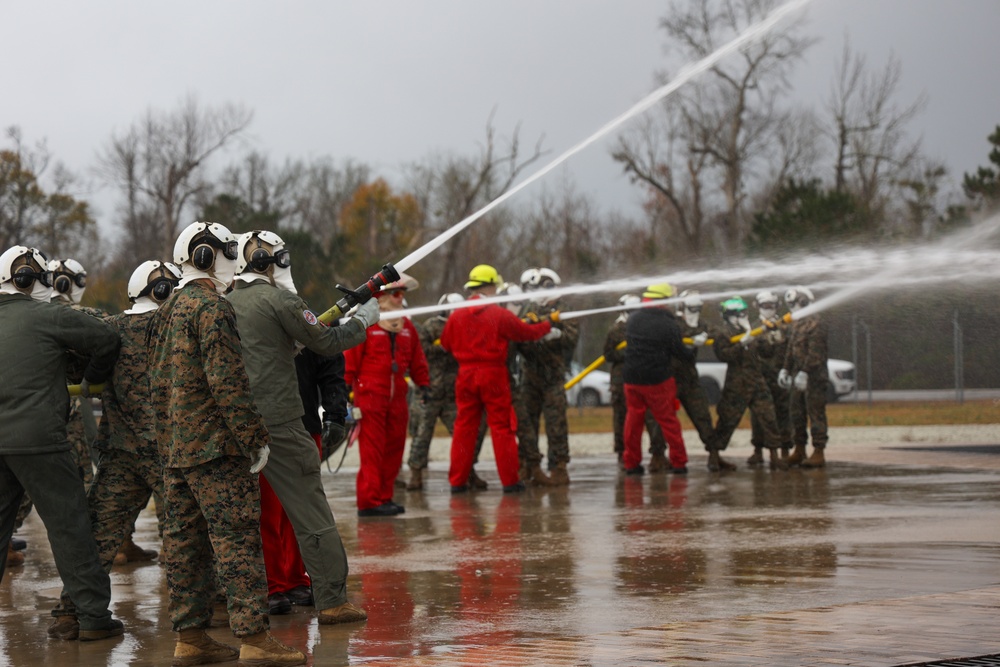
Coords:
pixel 24 276
pixel 64 280
pixel 160 287
pixel 203 254
pixel 261 258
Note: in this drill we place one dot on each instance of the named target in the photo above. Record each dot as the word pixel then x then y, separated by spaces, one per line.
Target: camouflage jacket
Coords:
pixel 773 347
pixel 442 366
pixel 198 386
pixel 685 370
pixel 743 360
pixel 544 363
pixel 127 421
pixel 807 347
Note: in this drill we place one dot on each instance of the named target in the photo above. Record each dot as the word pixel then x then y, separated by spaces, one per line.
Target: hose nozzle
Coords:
pixel 360 294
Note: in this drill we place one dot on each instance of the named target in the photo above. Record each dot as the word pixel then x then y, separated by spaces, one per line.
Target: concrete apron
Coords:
pixel 886 557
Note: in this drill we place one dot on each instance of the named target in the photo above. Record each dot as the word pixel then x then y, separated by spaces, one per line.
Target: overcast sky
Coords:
pixel 388 82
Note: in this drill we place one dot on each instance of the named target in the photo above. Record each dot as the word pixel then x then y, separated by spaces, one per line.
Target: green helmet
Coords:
pixel 733 306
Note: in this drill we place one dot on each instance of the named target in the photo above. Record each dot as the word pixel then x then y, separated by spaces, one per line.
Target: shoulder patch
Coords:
pixel 309 317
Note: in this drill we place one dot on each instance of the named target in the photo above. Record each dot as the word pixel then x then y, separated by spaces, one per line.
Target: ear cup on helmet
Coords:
pixel 63 283
pixel 259 260
pixel 203 257
pixel 23 277
pixel 161 289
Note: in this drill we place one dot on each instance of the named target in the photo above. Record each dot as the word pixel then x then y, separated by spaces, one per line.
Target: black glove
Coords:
pixel 425 395
pixel 332 438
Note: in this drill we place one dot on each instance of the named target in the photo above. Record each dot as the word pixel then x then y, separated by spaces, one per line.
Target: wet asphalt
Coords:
pixel 609 553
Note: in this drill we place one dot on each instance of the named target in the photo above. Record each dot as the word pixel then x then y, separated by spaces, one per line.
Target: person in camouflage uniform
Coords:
pixel 745 386
pixel 129 470
pixel 805 373
pixel 213 442
pixel 615 356
pixel 541 390
pixel 690 393
pixel 774 344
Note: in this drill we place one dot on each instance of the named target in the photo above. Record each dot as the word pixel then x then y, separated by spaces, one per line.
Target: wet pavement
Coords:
pixel 887 557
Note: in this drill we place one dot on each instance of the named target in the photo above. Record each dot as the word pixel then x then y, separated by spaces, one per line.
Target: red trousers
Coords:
pixel 660 400
pixel 480 388
pixel 381 441
pixel 282 560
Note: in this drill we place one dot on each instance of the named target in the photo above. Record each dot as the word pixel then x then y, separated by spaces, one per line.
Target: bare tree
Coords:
pixel 869 129
pixel 159 165
pixel 451 188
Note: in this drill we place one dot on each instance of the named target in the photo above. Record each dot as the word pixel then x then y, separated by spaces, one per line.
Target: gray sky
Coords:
pixel 392 81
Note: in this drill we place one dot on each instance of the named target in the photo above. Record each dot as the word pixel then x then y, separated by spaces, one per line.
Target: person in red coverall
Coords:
pixel 477 337
pixel 376 370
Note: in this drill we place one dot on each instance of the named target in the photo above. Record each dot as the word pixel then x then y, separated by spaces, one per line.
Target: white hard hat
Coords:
pixel 766 296
pixel 23 277
pixel 798 297
pixel 153 279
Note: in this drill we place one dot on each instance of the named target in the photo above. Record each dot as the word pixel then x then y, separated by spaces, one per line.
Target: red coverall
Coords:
pixel 377 370
pixel 477 337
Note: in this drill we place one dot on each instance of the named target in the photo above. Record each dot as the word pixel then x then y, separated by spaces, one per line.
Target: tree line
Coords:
pixel 731 166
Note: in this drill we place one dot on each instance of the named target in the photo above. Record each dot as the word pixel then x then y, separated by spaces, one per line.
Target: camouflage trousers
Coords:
pixel 782 410
pixel 657 445
pixel 122 487
pixel 808 414
pixel 533 402
pixel 213 524
pixel 427 417
pixel 739 393
pixel 692 397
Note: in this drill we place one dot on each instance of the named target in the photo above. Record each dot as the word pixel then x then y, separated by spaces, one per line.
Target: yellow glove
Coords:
pixel 554 316
pixel 531 318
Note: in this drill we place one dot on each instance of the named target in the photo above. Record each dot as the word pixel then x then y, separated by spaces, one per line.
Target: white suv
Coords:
pixel 713 377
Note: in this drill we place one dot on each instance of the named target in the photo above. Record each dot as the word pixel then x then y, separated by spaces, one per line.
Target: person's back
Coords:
pixel 652 341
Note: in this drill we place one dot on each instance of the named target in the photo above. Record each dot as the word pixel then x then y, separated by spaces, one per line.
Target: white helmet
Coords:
pixel 766 297
pixel 798 297
pixel 207 251
pixel 627 300
pixel 450 297
pixel 199 243
pixel 69 279
pixel 512 289
pixel 258 250
pixel 540 279
pixel 689 307
pixel 30 274
pixel 150 285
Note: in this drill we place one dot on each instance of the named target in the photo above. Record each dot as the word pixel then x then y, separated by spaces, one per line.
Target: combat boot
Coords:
pixel 797 456
pixel 345 613
pixel 65 626
pixel 538 477
pixel 263 649
pixel 134 553
pixel 718 464
pixel 559 476
pixel 757 458
pixel 477 482
pixel 777 463
pixel 416 482
pixel 658 463
pixel 14 558
pixel 816 459
pixel 195 647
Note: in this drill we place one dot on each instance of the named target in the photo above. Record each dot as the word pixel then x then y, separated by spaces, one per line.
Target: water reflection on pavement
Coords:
pixel 607 553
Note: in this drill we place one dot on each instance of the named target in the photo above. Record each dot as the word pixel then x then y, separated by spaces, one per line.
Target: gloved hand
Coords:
pixel 554 316
pixel 84 389
pixel 260 460
pixel 784 379
pixel 747 340
pixel 771 324
pixel 700 339
pixel 368 313
pixel 425 395
pixel 801 381
pixel 554 334
pixel 332 437
pixel 531 318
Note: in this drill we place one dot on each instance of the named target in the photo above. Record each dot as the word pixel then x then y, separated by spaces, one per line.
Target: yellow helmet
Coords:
pixel 483 274
pixel 659 291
